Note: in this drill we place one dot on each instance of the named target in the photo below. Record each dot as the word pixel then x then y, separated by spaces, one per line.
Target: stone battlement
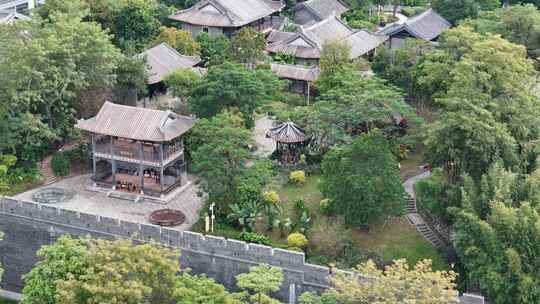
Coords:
pixel 191 244
pixel 30 225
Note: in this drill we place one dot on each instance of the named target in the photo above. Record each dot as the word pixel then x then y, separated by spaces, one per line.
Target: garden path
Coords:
pixel 265 146
pixel 412 212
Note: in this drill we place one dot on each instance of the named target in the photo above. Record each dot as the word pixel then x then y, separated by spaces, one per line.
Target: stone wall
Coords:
pixel 28 226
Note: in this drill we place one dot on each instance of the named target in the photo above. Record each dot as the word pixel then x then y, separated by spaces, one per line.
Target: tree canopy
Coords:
pixel 489 105
pixel 45 72
pixel 497 234
pixel 397 283
pixel 180 40
pixel 457 10
pixel 363 180
pixel 232 85
pixel 219 151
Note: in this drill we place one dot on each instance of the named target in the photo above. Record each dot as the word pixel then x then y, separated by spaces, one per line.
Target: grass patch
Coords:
pixel 398 239
pixel 394 240
pixel 330 241
pixel 21 187
pixel 4 301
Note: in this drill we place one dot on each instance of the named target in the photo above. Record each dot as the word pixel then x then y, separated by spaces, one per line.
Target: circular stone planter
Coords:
pixel 167 217
pixel 51 195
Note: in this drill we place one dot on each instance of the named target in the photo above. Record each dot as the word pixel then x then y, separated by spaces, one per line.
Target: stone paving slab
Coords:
pixel 98 203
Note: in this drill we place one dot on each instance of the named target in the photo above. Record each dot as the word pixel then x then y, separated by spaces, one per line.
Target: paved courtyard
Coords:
pixel 98 203
pixel 265 145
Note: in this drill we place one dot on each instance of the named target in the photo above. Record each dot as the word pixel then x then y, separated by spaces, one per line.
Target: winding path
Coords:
pixel 412 212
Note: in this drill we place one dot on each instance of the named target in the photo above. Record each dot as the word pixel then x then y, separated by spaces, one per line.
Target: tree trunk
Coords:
pixel 396 5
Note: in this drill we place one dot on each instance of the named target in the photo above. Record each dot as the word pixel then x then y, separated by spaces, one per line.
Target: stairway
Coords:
pixel 46 171
pixel 429 235
pixel 416 220
pixel 410 206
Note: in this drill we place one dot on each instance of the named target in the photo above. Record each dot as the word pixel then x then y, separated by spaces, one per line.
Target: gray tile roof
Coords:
pixel 287 132
pixel 137 123
pixel 297 72
pixel 163 60
pixel 9 17
pixel 318 10
pixel 227 13
pixel 308 43
pixel 427 26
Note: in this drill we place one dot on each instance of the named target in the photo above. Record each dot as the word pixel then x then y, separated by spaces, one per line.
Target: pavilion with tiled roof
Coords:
pixel 137 150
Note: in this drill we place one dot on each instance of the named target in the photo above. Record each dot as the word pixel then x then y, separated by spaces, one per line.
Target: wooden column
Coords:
pixel 141 167
pixel 308 91
pixel 94 157
pixel 113 160
pixel 161 166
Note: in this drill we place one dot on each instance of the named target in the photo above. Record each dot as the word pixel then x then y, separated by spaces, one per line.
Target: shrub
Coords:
pixel 60 164
pixel 326 206
pixel 297 240
pixel 300 205
pixel 256 238
pixel 271 197
pixel 295 100
pixel 412 11
pixel 297 177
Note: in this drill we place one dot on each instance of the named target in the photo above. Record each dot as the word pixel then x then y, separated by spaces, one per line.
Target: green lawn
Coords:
pixel 392 240
pixel 331 242
pixel 4 301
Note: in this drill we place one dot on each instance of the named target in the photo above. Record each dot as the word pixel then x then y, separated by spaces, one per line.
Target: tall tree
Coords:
pixel 457 10
pixel 47 70
pixel 363 180
pixel 233 86
pixel 66 258
pixel 220 150
pixel 353 106
pixel 136 24
pixel 191 289
pixel 178 39
pixel 248 46
pixel 397 64
pixel 500 252
pixel 261 280
pixel 181 83
pixel 214 50
pixel 519 24
pixel 397 283
pixel 121 272
pixel 491 80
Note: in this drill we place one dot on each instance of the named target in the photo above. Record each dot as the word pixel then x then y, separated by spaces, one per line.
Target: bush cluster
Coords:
pixel 297 240
pixel 271 197
pixel 60 164
pixel 256 238
pixel 297 177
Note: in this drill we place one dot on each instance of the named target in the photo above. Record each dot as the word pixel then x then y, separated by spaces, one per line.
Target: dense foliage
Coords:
pixel 456 10
pixel 219 148
pixel 46 71
pixel 504 105
pixel 362 179
pixel 232 85
pixel 397 283
pixel 180 40
pixel 98 271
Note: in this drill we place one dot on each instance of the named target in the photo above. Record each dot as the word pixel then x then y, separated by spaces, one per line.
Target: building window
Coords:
pixel 205 29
